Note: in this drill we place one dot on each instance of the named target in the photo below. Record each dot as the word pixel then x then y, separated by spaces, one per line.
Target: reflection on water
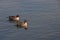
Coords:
pixel 19 27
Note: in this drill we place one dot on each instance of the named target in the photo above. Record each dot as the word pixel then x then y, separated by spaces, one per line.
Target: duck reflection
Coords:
pixel 19 27
pixel 10 21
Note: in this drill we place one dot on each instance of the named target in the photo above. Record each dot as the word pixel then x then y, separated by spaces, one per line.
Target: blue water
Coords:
pixel 43 19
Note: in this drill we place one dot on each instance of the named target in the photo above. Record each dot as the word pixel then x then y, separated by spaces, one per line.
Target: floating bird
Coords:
pixel 14 18
pixel 22 24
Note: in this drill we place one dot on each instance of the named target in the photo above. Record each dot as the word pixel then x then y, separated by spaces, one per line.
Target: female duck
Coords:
pixel 14 18
pixel 22 24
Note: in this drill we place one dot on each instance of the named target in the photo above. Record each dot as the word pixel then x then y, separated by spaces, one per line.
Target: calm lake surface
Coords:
pixel 43 19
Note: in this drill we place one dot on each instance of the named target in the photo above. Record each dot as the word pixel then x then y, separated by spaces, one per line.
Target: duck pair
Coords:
pixel 16 18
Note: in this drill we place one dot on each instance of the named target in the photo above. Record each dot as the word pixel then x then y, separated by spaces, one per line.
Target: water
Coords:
pixel 43 19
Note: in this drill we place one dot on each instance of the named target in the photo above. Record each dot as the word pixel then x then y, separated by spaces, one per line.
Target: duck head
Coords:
pixel 17 15
pixel 25 21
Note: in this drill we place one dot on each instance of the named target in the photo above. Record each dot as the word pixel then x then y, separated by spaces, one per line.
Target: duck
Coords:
pixel 22 24
pixel 14 18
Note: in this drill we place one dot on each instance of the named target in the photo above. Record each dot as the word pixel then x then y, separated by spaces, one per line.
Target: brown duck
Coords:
pixel 22 24
pixel 14 18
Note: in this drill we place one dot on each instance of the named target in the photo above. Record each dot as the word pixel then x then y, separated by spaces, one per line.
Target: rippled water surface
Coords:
pixel 43 19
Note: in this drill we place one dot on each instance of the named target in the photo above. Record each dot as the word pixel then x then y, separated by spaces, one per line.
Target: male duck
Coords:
pixel 22 24
pixel 14 18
